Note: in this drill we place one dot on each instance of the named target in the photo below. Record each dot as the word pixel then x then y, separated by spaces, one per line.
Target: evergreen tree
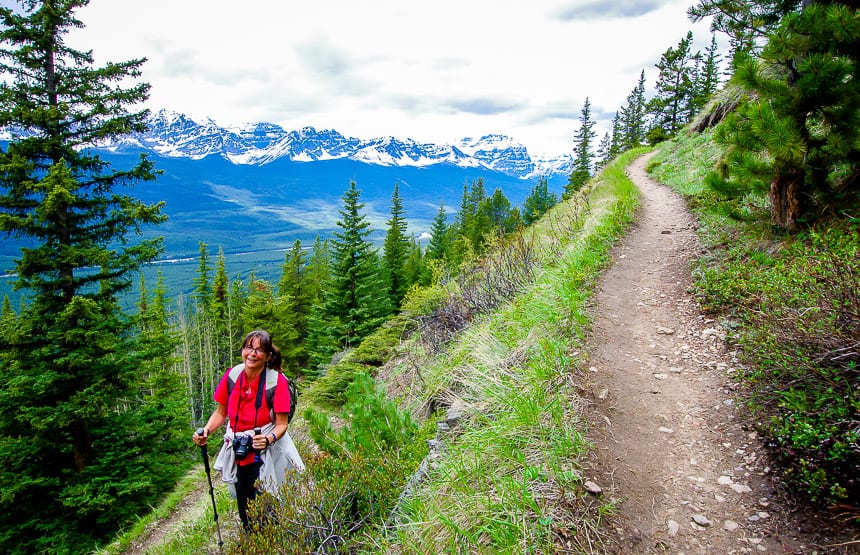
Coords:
pixel 416 270
pixel 670 105
pixel 318 271
pixel 583 156
pixel 501 215
pixel 746 22
pixel 292 293
pixel 354 302
pixel 395 250
pixel 616 144
pixel 603 150
pixel 632 122
pixel 439 247
pixel 75 414
pixel 220 285
pixel 798 135
pixel 202 286
pixel 539 202
pixel 709 77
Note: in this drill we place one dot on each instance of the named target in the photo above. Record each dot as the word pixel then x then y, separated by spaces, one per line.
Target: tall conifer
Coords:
pixel 395 250
pixel 582 150
pixel 75 415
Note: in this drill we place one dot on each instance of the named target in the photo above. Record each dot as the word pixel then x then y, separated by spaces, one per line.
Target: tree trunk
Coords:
pixel 785 198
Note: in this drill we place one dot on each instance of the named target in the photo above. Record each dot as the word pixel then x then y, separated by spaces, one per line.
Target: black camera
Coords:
pixel 242 445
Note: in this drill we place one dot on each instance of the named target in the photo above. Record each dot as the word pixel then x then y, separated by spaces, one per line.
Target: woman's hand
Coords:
pixel 261 442
pixel 200 439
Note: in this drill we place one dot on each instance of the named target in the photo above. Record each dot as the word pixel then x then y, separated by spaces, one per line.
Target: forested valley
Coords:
pixel 99 403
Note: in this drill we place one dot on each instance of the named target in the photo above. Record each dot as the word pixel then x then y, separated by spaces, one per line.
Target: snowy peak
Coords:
pixel 176 135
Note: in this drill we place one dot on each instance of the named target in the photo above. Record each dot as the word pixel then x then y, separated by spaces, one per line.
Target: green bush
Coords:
pixel 796 311
pixel 348 489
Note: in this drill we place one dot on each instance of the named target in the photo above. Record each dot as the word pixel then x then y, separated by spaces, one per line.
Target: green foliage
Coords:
pixel 539 202
pixel 396 250
pixel 351 487
pixel 355 300
pixel 797 135
pixel 87 390
pixel 582 149
pixel 375 423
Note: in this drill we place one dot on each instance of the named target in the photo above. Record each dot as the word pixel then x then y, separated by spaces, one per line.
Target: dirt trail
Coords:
pixel 671 449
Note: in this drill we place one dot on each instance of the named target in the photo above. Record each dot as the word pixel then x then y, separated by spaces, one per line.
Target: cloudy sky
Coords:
pixel 432 71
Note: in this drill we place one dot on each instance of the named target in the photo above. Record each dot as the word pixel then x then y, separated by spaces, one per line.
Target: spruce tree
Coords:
pixel 583 155
pixel 439 246
pixel 632 118
pixel 395 250
pixel 202 285
pixel 75 413
pixel 354 302
pixel 293 291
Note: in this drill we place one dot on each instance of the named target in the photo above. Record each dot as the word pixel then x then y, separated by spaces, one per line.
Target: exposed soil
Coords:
pixel 671 445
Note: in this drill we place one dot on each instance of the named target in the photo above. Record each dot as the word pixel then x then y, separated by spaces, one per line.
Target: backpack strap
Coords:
pixel 271 383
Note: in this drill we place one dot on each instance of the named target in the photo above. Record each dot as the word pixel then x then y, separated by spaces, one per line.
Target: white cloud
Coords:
pixel 434 72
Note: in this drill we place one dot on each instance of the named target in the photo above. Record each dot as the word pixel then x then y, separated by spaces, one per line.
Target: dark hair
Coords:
pixel 266 343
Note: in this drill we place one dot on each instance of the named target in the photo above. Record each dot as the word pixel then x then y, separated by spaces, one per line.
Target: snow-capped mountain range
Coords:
pixel 176 135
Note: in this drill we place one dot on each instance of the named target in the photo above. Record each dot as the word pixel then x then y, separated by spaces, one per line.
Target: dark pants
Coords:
pixel 246 476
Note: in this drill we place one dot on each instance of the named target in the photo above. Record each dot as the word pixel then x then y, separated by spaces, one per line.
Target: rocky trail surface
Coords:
pixel 672 449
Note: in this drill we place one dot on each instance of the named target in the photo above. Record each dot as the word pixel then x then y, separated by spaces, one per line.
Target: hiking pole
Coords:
pixel 205 455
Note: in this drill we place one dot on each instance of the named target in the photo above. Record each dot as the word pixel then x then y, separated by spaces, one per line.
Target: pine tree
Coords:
pixel 395 250
pixel 583 156
pixel 539 202
pixel 709 78
pixel 293 290
pixel 670 105
pixel 798 136
pixel 746 22
pixel 603 150
pixel 74 412
pixel 616 145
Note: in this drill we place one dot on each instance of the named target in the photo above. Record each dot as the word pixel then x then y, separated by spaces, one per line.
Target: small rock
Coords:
pixel 665 331
pixel 740 488
pixel 661 376
pixel 731 525
pixel 592 488
pixel 701 520
pixel 724 481
pixel 673 527
pixel 666 430
pixel 604 393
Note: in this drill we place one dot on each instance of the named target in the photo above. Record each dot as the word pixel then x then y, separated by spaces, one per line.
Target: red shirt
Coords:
pixel 243 397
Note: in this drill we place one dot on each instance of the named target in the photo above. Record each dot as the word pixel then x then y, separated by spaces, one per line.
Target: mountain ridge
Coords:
pixel 172 134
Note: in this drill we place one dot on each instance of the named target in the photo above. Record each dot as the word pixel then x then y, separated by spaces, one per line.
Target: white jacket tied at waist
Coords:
pixel 277 459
